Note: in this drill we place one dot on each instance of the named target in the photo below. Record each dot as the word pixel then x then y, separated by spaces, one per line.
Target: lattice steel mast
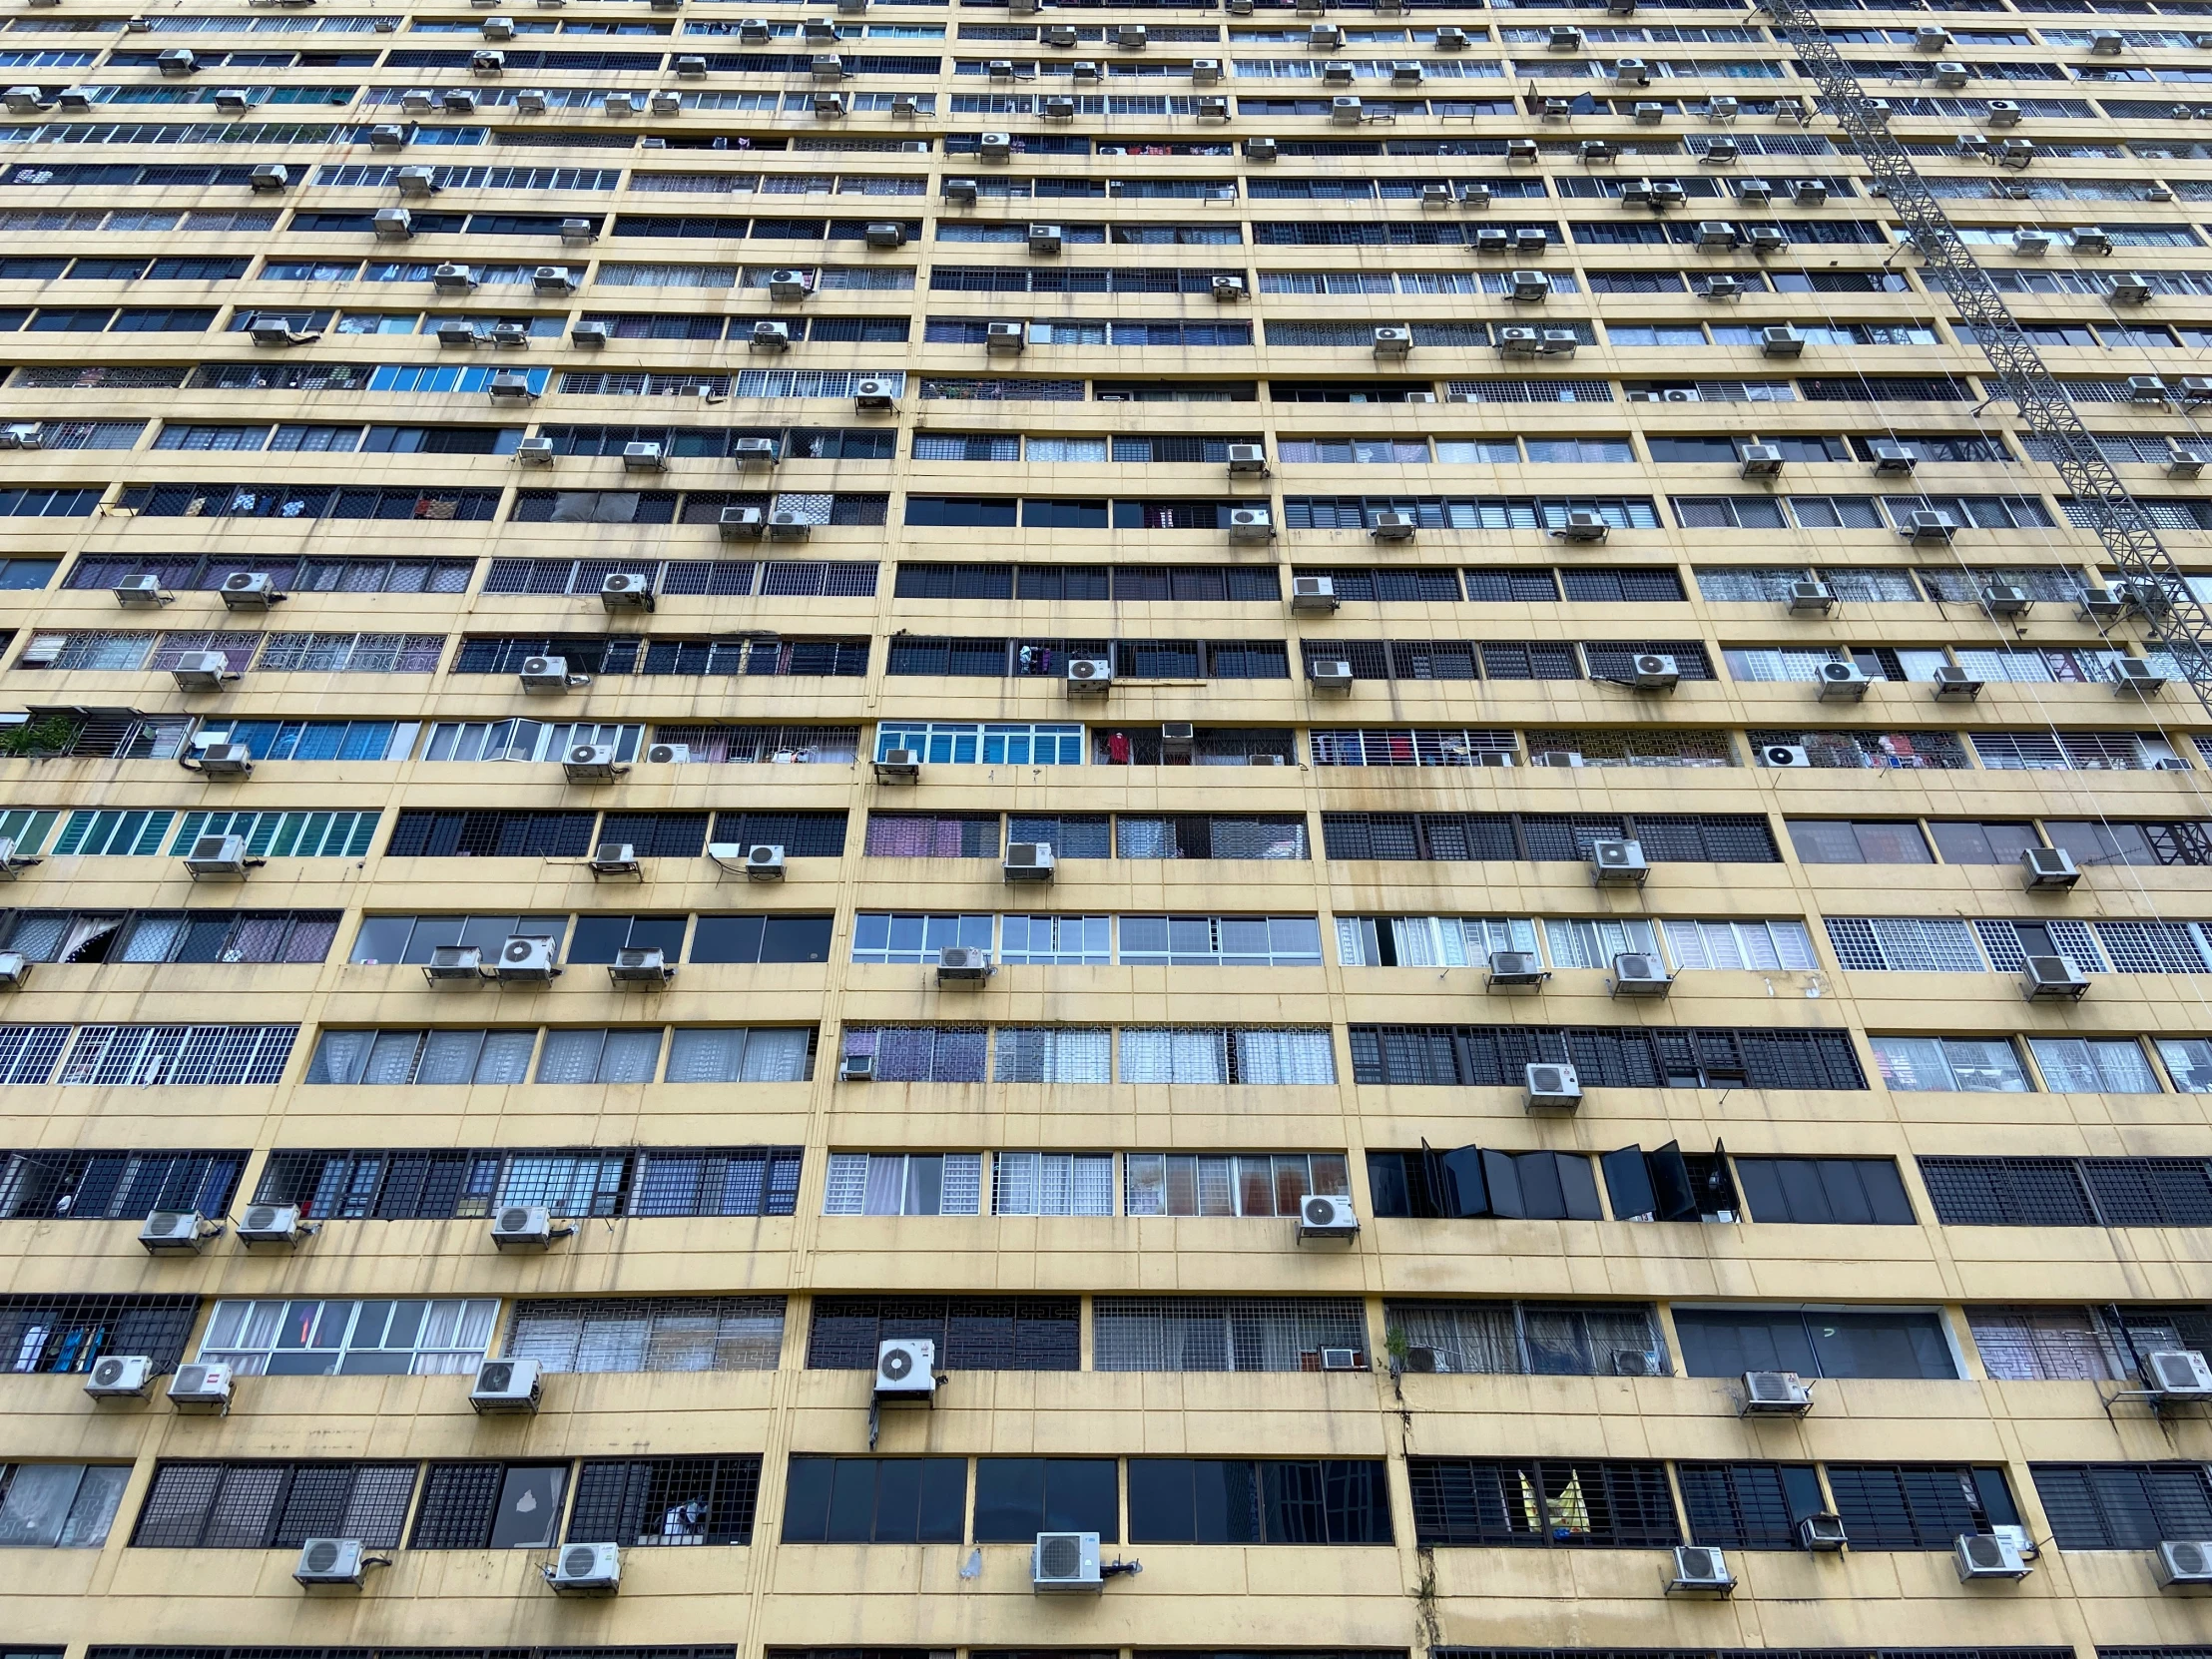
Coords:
pixel 2163 602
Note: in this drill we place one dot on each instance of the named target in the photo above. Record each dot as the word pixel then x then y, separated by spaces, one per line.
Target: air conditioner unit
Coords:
pixel 250 590
pixel 2048 978
pixel 1982 1555
pixel 590 336
pixel 586 1570
pixel 270 177
pixel 545 279
pixel 457 333
pixel 2187 463
pixel 1261 149
pixel 272 1224
pixel 1551 1086
pixel 2183 1565
pixel 1562 758
pixel 327 1563
pixel 1821 1534
pixel 1842 682
pixel 1251 524
pixel 1324 37
pixel 1515 967
pixel 1230 289
pixel 1640 973
pixel 506 1385
pixel 453 278
pixel 178 60
pixel 1776 1394
pixel 453 101
pixel 509 334
pixel 454 961
pixel 1781 342
pixel 1065 1562
pixel 1760 460
pixel 626 591
pixel 217 856
pixel 2105 43
pixel 120 1377
pixel 523 1225
pixel 1699 1570
pixel 2134 675
pixel 1631 72
pixel 1810 598
pixel 2196 388
pixel 531 101
pixel 1721 151
pixel 525 957
pixel 1722 288
pixel 545 674
pixel 644 458
pixel 1392 526
pixel 1655 671
pixel 137 592
pixel 1516 342
pixel 1323 1215
pixel 1765 238
pixel 1329 675
pixel 874 396
pixel 614 859
pixel 1953 683
pixel 1345 112
pixel 177 1232
pixel 1317 594
pixel 1925 528
pixel 1636 194
pixel 231 100
pixel 2089 240
pixel 740 523
pixel 1528 284
pixel 2131 289
pixel 1450 39
pixel 1392 342
pixel 787 524
pixel 1559 342
pixel 1044 239
pixel 770 337
pixel 387 137
pixel 2032 244
pixel 1012 337
pixel 963 962
pixel 2049 868
pixel 1178 736
pixel 1618 864
pixel 1028 861
pixel 15 969
pixel 200 1387
pixel 641 967
pixel 585 761
pixel 201 670
pixel 906 1368
pixel 1583 525
pixel 2177 1374
pixel 857 1068
pixel 899 763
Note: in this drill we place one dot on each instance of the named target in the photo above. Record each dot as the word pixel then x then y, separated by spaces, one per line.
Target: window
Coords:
pixel 1188 1184
pixel 1474 1181
pixel 921 1053
pixel 147 1056
pixel 65 1334
pixel 423 833
pixel 1052 1183
pixel 1668 1184
pixel 978 1332
pixel 1528 1338
pixel 665 1500
pixel 600 1056
pixel 1739 945
pixel 1841 842
pixel 1217 1054
pixel 1718 837
pixel 490 1506
pixel 344 1338
pixel 172 935
pixel 272 1505
pixel 527 739
pixel 1191 1500
pixel 2124 1506
pixel 441 1056
pixel 1496 1056
pixel 1604 1503
pixel 1726 1342
pixel 1221 941
pixel 736 1054
pixel 278 835
pixel 436 1185
pixel 941 743
pixel 629 1334
pixel 1824 1191
pixel 1917 1506
pixel 1971 1065
pixel 59 1505
pixel 1051 1054
pixel 1018 1497
pixel 932 836
pixel 1905 944
pixel 412 939
pixel 1223 1334
pixel 107 1186
pixel 2188 1063
pixel 322 740
pixel 2069 1192
pixel 2093 1065
pixel 879 936
pixel 1057 940
pixel 902 1184
pixel 875 1501
pixel 2052 1344
pixel 1429 941
pixel 1594 944
pixel 1210 838
pixel 758 939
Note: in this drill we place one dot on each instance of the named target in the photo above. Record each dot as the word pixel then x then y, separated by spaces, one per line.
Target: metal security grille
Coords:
pixel 105 1186
pixel 661 1181
pixel 2069 1192
pixel 800 834
pixel 421 833
pixel 1718 837
pixel 460 1502
pixel 628 1333
pixel 1907 1505
pixel 68 1332
pixel 220 1652
pixel 1604 1503
pixel 971 1333
pixel 1737 1505
pixel 1209 1334
pixel 1490 1056
pixel 666 1500
pixel 2124 1506
pixel 272 1505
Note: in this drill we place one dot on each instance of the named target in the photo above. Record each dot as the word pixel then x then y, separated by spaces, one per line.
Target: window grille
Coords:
pixel 1532 1338
pixel 1749 1505
pixel 1494 1056
pixel 65 1334
pixel 2047 1344
pixel 971 1333
pixel 1918 1506
pixel 252 1506
pixel 624 1333
pixel 1904 944
pixel 1606 1503
pixel 109 1186
pixel 1052 1183
pixel 1223 1334
pixel 666 1500
pixel 1251 1184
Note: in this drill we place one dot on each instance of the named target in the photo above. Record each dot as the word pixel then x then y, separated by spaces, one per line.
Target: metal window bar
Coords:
pixel 65 1334
pixel 629 1333
pixel 1224 1333
pixel 666 1500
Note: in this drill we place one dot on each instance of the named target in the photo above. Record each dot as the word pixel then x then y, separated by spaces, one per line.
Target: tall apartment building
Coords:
pixel 1341 739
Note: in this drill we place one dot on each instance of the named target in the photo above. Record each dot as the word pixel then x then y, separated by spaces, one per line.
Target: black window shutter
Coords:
pixel 1628 1183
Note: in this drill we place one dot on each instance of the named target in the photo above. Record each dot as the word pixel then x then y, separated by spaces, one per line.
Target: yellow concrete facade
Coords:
pixel 1399 1596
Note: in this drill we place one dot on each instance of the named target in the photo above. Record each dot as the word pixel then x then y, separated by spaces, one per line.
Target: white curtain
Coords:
pixel 777 1055
pixel 1285 1056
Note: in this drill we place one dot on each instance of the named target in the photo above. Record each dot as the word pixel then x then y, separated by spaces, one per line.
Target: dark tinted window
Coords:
pixel 1917 1506
pixel 1604 1503
pixel 1841 842
pixel 1851 1191
pixel 1208 1500
pixel 1018 1497
pixel 1002 1333
pixel 880 1500
pixel 2124 1505
pixel 1749 1505
pixel 1968 843
pixel 1726 1342
pixel 599 939
pixel 772 939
